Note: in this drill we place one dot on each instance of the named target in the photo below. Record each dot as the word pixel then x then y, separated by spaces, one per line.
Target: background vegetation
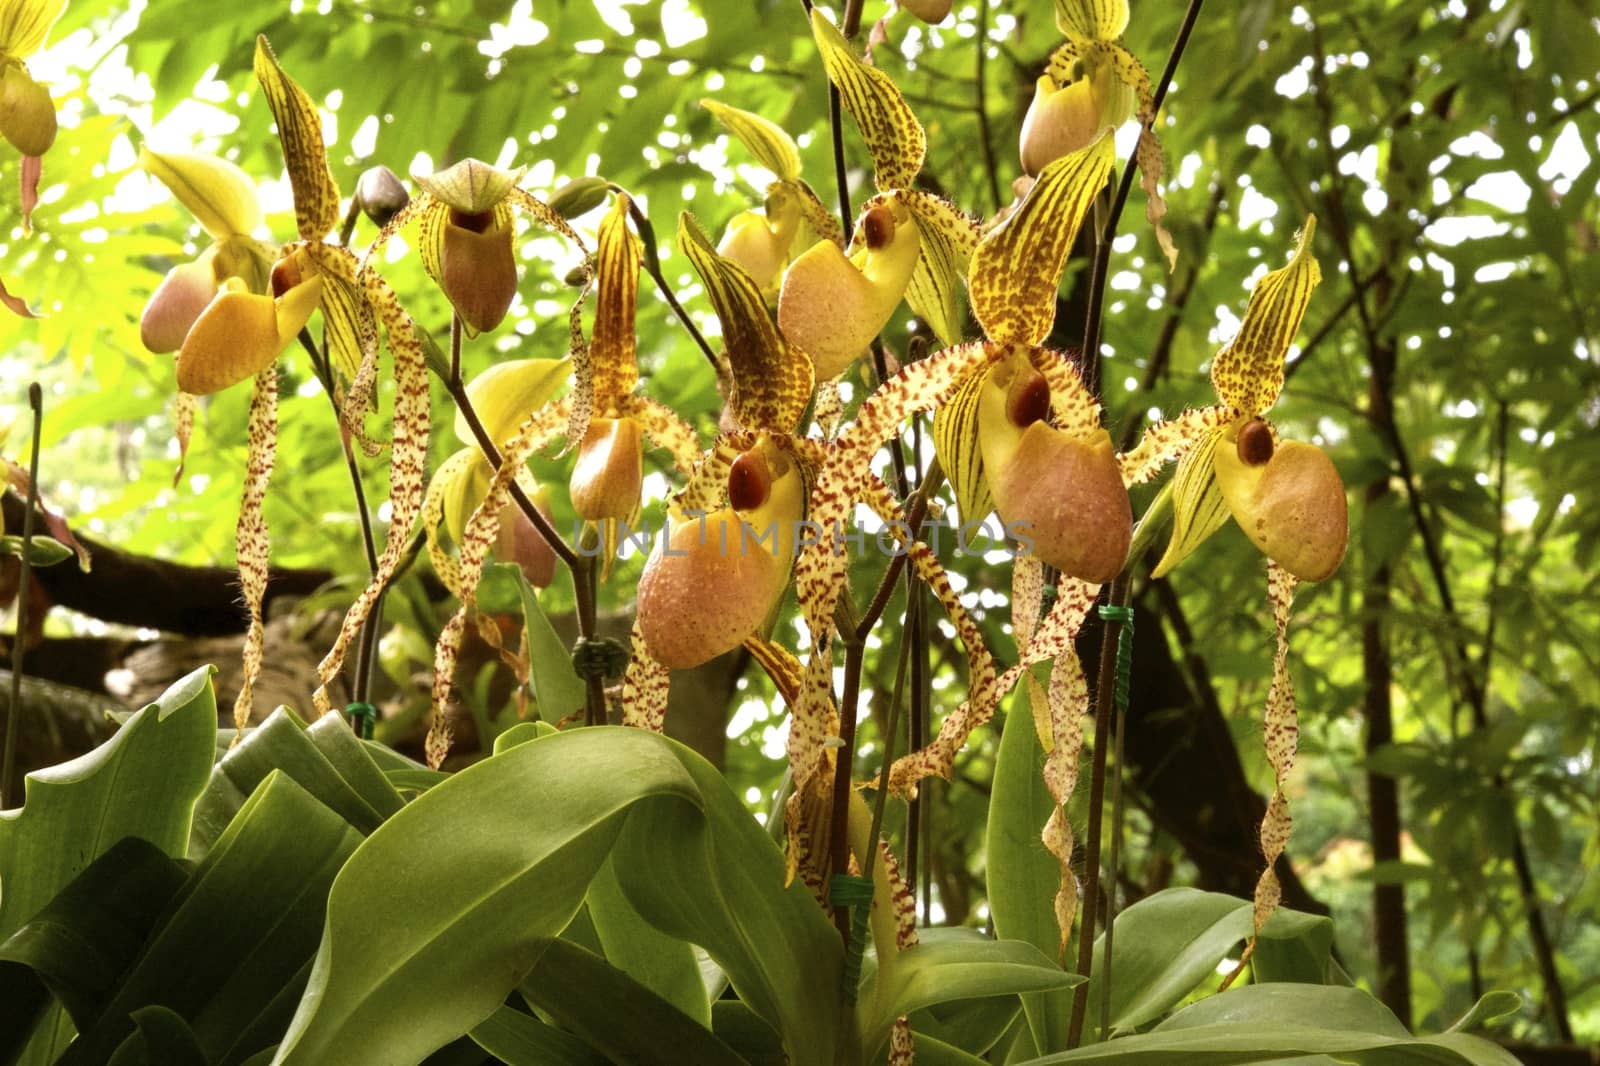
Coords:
pixel 1448 364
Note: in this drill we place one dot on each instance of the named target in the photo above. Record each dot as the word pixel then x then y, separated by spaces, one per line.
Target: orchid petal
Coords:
pixel 220 196
pixel 316 194
pixel 948 238
pixel 612 350
pixel 772 147
pixel 1016 269
pixel 894 137
pixel 1198 509
pixel 1248 373
pixel 252 541
pixel 1092 20
pixel 772 379
pixel 24 25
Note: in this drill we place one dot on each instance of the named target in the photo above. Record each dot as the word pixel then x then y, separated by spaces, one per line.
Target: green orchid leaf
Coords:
pixel 520 1039
pixel 580 991
pixel 663 964
pixel 234 950
pixel 42 551
pixel 143 782
pixel 497 860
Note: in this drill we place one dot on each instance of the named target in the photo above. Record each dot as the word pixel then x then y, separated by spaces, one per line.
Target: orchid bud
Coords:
pixel 1063 493
pixel 27 114
pixel 609 475
pixel 932 12
pixel 579 196
pixel 380 194
pixel 1291 504
pixel 832 306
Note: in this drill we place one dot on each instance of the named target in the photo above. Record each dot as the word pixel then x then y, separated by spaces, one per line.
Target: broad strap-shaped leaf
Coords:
pixel 955 442
pixel 1092 20
pixel 894 137
pixel 772 379
pixel 1198 509
pixel 612 359
pixel 1248 373
pixel 252 541
pixel 496 858
pixel 316 194
pixel 1016 269
pixel 948 238
pixel 772 147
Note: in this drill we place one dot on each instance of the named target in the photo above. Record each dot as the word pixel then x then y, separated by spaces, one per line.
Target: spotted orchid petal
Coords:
pixel 252 541
pixel 612 356
pixel 316 194
pixel 894 137
pixel 772 379
pixel 1016 269
pixel 949 236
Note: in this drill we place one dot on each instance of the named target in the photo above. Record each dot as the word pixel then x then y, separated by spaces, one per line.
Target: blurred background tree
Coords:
pixel 1446 794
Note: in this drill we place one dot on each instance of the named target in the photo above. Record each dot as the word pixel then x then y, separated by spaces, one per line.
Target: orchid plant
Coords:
pixel 1017 431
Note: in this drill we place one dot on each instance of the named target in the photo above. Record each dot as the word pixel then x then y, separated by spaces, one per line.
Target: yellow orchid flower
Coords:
pixel 27 114
pixel 1286 496
pixel 1095 83
pixel 792 217
pixel 908 244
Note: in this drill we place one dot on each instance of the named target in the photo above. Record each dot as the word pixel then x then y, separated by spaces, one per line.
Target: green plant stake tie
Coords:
pixel 362 718
pixel 845 890
pixel 1124 615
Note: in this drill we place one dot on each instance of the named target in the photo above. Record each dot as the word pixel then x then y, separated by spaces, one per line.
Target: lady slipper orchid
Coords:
pixel 27 114
pixel 1286 496
pixel 792 217
pixel 1094 82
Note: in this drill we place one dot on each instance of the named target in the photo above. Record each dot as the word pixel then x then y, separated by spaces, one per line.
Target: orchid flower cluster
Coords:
pixel 799 303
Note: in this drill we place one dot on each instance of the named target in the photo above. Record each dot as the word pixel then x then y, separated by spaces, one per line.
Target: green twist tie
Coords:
pixel 1123 615
pixel 362 717
pixel 599 658
pixel 1047 598
pixel 845 890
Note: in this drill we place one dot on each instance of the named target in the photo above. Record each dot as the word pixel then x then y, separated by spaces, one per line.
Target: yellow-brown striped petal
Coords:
pixel 316 194
pixel 611 352
pixel 772 379
pixel 893 135
pixel 772 147
pixel 955 442
pixel 1198 509
pixel 1092 20
pixel 949 237
pixel 1248 373
pixel 1016 268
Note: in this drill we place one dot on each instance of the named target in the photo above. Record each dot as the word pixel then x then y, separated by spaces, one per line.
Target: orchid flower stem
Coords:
pixel 652 266
pixel 990 168
pixel 1104 698
pixel 20 639
pixel 491 451
pixel 839 837
pixel 1113 867
pixel 362 684
pixel 1107 234
pixel 581 569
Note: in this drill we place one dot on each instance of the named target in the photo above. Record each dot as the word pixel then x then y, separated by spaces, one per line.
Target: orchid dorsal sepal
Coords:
pixel 1248 373
pixel 1092 20
pixel 316 194
pixel 767 141
pixel 890 129
pixel 220 196
pixel 1016 269
pixel 503 395
pixel 772 379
